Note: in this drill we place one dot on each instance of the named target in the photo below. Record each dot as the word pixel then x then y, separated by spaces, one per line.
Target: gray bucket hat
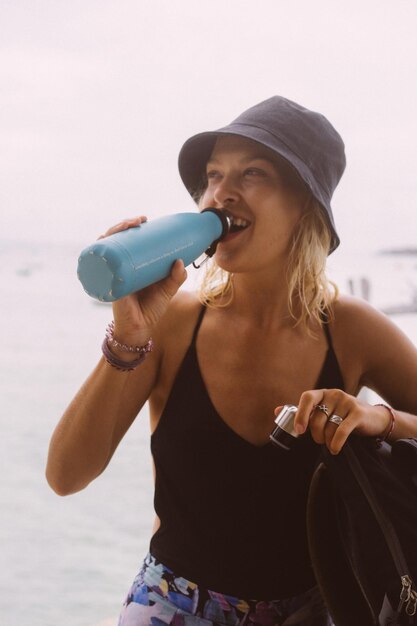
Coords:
pixel 305 139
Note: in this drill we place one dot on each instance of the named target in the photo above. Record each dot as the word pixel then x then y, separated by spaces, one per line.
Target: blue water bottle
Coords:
pixel 132 259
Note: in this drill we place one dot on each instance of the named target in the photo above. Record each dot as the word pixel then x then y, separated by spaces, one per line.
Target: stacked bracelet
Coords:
pixel 114 361
pixel 122 346
pixel 391 425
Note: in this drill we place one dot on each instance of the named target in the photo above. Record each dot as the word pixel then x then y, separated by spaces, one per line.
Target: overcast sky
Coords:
pixel 97 97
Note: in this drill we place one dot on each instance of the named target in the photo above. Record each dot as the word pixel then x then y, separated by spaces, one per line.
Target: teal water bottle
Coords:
pixel 132 259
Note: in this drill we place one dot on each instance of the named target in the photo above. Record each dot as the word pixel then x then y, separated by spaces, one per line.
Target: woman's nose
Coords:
pixel 226 191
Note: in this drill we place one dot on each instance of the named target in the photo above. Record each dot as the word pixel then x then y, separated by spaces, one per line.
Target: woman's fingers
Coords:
pixel 124 225
pixel 145 308
pixel 173 282
pixel 335 435
pixel 315 409
pixel 332 415
pixel 137 314
pixel 306 407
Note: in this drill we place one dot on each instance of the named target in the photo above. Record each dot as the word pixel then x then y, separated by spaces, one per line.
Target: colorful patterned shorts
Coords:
pixel 159 598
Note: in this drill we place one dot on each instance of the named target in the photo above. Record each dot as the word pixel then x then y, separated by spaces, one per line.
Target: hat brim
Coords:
pixel 196 151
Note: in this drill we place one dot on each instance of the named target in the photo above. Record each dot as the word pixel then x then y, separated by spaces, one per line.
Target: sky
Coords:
pixel 97 97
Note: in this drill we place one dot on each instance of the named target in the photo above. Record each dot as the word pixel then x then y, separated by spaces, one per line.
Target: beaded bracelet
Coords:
pixel 391 424
pixel 117 363
pixel 122 346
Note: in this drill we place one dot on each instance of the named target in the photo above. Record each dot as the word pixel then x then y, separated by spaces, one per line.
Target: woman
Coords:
pixel 230 541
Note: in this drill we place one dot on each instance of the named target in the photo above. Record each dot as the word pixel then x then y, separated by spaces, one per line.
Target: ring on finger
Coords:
pixel 335 419
pixel 323 408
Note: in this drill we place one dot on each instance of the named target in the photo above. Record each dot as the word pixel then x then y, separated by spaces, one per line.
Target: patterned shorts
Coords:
pixel 160 598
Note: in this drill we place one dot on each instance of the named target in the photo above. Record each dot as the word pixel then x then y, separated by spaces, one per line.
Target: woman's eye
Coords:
pixel 253 171
pixel 212 174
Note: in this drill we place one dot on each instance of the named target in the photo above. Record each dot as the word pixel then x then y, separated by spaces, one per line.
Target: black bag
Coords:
pixel 362 532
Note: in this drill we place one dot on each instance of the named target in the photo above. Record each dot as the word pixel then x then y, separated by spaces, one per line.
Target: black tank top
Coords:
pixel 232 513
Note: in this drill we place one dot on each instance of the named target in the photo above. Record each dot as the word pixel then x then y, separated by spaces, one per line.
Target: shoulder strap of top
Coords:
pixel 331 374
pixel 328 335
pixel 325 319
pixel 198 323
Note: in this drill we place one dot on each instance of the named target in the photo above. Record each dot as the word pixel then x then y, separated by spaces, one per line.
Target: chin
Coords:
pixel 231 265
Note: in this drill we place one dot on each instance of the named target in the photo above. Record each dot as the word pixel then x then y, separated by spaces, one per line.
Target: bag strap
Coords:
pixel 408 593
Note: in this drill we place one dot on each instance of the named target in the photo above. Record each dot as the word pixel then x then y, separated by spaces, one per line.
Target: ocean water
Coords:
pixel 70 561
pixel 66 561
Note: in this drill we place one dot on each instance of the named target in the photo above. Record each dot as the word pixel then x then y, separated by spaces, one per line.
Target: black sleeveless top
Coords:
pixel 232 513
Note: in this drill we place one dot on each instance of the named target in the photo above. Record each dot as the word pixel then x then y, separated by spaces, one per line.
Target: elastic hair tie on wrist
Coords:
pixel 390 428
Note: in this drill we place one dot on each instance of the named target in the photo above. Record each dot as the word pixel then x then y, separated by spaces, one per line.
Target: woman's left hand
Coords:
pixel 356 416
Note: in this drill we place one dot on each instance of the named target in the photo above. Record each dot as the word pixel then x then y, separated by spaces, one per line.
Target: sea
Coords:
pixel 69 561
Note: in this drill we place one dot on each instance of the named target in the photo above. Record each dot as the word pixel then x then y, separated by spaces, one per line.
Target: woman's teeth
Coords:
pixel 238 224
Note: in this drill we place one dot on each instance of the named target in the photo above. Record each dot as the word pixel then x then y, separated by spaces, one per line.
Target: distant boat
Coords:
pixel 361 287
pixel 399 309
pixel 411 251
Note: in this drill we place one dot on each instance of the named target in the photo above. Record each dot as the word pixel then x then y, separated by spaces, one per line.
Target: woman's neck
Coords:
pixel 263 301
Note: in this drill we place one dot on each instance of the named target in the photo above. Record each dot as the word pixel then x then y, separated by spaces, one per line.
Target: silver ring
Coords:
pixel 323 408
pixel 336 419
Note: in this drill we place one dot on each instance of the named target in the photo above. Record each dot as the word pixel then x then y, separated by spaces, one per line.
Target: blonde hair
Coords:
pixel 310 292
pixel 307 281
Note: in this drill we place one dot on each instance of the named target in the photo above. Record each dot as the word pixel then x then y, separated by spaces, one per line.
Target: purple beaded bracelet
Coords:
pixel 117 363
pixel 122 346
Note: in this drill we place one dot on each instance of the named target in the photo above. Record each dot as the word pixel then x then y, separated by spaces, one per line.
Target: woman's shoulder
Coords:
pixel 357 326
pixel 373 351
pixel 347 309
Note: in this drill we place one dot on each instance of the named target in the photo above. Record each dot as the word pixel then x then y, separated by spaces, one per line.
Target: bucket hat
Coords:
pixel 304 138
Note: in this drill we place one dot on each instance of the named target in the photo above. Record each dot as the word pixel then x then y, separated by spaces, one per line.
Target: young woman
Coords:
pixel 267 329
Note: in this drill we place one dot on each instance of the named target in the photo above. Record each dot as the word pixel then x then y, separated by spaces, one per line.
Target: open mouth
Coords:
pixel 237 223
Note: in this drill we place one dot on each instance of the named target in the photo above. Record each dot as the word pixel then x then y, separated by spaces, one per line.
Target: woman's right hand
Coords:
pixel 136 315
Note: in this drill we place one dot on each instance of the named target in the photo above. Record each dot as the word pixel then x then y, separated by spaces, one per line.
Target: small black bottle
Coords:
pixel 284 434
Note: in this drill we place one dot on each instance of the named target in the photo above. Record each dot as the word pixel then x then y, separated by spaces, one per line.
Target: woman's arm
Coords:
pixel 95 422
pixel 375 353
pixel 106 405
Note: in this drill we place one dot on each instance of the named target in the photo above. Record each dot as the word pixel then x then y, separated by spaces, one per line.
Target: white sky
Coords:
pixel 97 97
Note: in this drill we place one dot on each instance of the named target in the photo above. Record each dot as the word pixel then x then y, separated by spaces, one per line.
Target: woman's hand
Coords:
pixel 357 416
pixel 136 315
